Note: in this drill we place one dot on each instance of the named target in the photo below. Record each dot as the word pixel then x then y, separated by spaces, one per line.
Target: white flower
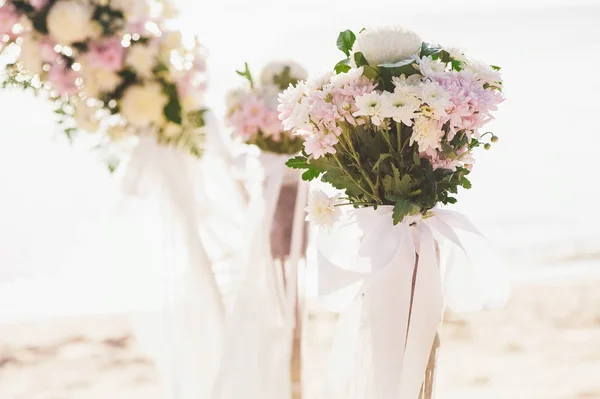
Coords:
pixel 133 9
pixel 483 72
pixel 97 81
pixel 373 105
pixel 456 54
pixel 142 59
pixel 427 133
pixel 85 117
pixel 293 108
pixel 342 79
pixel 143 105
pixel 402 106
pixel 319 81
pixel 430 67
pixel 171 130
pixel 276 68
pixel 118 132
pixel 192 101
pixel 436 97
pixel 169 10
pixel 69 21
pixel 322 210
pixel 30 57
pixel 387 45
pixel 172 40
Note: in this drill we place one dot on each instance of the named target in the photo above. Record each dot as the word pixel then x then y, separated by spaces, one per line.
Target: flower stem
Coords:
pixel 354 181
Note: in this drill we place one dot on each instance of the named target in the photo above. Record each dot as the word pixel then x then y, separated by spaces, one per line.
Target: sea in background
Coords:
pixel 534 194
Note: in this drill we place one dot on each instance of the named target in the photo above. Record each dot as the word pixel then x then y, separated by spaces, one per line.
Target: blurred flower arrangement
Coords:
pixel 252 111
pixel 395 124
pixel 109 65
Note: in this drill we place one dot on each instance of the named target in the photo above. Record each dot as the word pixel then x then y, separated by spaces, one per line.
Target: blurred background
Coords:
pixel 70 273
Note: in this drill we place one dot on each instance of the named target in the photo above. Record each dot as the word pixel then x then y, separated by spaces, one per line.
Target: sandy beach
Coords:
pixel 544 345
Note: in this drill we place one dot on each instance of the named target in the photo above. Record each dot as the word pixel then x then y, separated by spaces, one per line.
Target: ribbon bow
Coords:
pixel 371 261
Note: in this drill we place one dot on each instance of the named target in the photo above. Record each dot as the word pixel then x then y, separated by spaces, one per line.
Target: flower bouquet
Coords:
pixel 394 127
pixel 271 269
pixel 113 66
pixel 110 66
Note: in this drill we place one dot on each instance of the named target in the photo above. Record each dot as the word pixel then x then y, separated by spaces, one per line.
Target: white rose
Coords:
pixel 69 21
pixel 387 45
pixel 118 132
pixel 143 105
pixel 133 9
pixel 192 102
pixel 142 59
pixel 85 117
pixel 97 81
pixel 273 69
pixel 171 130
pixel 30 57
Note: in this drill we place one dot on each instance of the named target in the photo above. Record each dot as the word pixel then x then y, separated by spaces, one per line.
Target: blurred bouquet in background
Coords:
pixel 395 124
pixel 252 111
pixel 109 66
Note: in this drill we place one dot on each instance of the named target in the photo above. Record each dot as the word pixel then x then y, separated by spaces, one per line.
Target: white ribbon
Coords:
pixel 366 267
pixel 185 335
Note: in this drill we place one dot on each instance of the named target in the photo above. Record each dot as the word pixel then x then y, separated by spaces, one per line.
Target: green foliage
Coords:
pixel 343 66
pixel 360 59
pixel 172 110
pixel 246 74
pixel 345 41
pixel 284 79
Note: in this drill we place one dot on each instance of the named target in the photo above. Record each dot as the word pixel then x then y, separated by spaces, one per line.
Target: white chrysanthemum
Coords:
pixel 456 54
pixel 293 108
pixel 143 105
pixel 427 133
pixel 85 117
pixel 273 69
pixel 430 67
pixel 98 80
pixel 322 210
pixel 402 107
pixel 69 21
pixel 387 45
pixel 317 82
pixel 342 79
pixel 373 105
pixel 436 97
pixel 483 72
pixel 142 59
pixel 132 9
pixel 30 57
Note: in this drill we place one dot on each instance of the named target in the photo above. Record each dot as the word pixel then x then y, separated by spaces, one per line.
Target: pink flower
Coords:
pixel 254 115
pixel 9 17
pixel 38 4
pixel 47 50
pixel 63 79
pixel 317 145
pixel 106 54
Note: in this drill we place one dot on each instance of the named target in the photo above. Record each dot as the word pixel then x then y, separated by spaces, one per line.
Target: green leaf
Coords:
pixel 298 162
pixel 246 74
pixel 398 64
pixel 342 66
pixel 345 41
pixel 495 67
pixel 360 59
pixel 382 157
pixel 370 72
pixel 451 200
pixel 311 174
pixel 404 208
pixel 172 110
pixel 428 49
pixel 416 158
pixel 466 183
